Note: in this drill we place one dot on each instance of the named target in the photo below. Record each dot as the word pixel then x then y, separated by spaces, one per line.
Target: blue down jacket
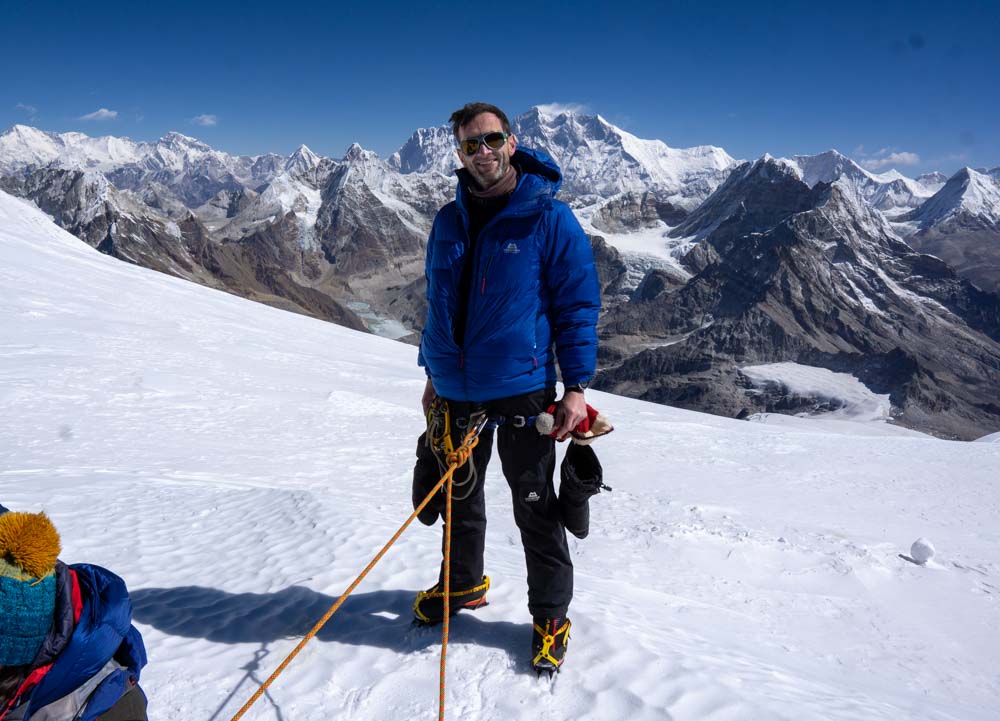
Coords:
pixel 103 647
pixel 534 286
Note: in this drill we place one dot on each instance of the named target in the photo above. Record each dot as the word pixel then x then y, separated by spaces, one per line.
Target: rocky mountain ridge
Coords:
pixel 815 276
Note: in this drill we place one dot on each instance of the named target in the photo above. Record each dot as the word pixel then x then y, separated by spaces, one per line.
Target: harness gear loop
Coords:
pixel 439 440
pixel 468 443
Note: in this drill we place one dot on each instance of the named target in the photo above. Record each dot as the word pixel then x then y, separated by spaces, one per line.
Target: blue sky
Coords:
pixel 910 84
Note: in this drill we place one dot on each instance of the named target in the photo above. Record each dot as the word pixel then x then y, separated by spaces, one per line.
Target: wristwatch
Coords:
pixel 577 387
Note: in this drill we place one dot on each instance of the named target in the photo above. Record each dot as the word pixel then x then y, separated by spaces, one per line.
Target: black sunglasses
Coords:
pixel 493 141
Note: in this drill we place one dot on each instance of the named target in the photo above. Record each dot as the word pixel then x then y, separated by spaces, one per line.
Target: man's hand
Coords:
pixel 429 395
pixel 569 412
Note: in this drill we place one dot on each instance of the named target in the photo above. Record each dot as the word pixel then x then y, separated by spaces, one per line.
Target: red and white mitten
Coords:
pixel 593 426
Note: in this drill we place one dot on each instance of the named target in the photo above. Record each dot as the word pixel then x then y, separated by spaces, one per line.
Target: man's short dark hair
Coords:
pixel 465 114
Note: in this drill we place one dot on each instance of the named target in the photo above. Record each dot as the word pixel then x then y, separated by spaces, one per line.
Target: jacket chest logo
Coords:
pixel 511 248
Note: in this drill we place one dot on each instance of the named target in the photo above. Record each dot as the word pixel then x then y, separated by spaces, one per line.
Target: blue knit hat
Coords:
pixel 29 547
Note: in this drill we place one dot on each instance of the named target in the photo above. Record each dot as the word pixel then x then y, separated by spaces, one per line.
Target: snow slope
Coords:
pixel 239 465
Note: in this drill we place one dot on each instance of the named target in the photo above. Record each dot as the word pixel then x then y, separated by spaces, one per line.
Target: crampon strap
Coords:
pixel 548 641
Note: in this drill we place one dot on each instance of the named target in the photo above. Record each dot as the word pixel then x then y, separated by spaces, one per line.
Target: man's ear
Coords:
pixel 513 143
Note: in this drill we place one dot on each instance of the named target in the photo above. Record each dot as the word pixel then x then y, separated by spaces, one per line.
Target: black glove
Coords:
pixel 580 477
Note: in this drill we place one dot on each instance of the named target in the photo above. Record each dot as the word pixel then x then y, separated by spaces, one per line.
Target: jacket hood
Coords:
pixel 103 630
pixel 536 162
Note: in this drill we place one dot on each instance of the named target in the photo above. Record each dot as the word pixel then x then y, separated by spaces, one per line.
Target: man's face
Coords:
pixel 486 166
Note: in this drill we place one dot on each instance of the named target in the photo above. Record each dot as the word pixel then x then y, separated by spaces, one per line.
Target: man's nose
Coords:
pixel 484 148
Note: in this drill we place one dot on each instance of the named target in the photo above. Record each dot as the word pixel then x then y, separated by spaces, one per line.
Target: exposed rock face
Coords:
pixel 226 204
pixel 636 211
pixel 611 271
pixel 970 246
pixel 358 233
pixel 784 272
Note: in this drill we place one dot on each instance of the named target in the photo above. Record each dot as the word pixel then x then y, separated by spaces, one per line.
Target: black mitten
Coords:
pixel 580 477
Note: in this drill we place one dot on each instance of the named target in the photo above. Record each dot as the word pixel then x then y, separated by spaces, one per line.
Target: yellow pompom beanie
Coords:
pixel 29 547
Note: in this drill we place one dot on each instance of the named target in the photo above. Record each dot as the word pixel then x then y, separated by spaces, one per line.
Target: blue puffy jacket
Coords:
pixel 534 286
pixel 99 657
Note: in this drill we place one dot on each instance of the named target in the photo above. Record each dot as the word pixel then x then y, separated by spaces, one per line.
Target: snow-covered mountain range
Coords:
pixel 343 238
pixel 599 160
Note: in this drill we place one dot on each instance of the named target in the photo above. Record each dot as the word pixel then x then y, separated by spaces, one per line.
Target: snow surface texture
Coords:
pixel 239 465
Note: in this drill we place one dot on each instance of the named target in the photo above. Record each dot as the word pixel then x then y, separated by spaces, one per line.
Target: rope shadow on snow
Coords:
pixel 381 619
pixel 251 668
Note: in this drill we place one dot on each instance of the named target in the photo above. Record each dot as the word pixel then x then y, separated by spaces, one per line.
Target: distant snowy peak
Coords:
pixel 302 161
pixel 428 150
pixel 967 193
pixel 357 154
pixel 890 191
pixel 828 167
pixel 365 165
pixel 183 143
pixel 177 152
pixel 934 181
pixel 600 159
pixel 22 146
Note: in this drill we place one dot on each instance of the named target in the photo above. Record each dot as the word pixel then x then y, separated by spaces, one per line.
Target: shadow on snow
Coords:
pixel 381 619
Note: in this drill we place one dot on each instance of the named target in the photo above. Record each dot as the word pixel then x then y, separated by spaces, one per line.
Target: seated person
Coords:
pixel 68 650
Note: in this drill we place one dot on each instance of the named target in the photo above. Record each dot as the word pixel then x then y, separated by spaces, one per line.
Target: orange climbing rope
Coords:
pixel 446 621
pixel 456 459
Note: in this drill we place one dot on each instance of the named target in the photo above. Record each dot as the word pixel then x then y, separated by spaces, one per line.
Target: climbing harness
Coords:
pixel 440 422
pixel 439 430
pixel 455 459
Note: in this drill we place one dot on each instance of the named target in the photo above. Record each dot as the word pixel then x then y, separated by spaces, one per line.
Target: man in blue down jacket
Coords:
pixel 511 288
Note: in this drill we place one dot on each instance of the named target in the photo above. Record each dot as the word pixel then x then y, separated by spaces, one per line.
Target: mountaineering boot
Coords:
pixel 429 606
pixel 548 645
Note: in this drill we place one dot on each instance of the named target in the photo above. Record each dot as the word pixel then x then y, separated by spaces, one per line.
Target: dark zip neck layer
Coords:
pixel 481 212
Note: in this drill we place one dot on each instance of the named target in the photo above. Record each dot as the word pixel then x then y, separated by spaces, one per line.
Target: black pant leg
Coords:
pixel 468 517
pixel 528 460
